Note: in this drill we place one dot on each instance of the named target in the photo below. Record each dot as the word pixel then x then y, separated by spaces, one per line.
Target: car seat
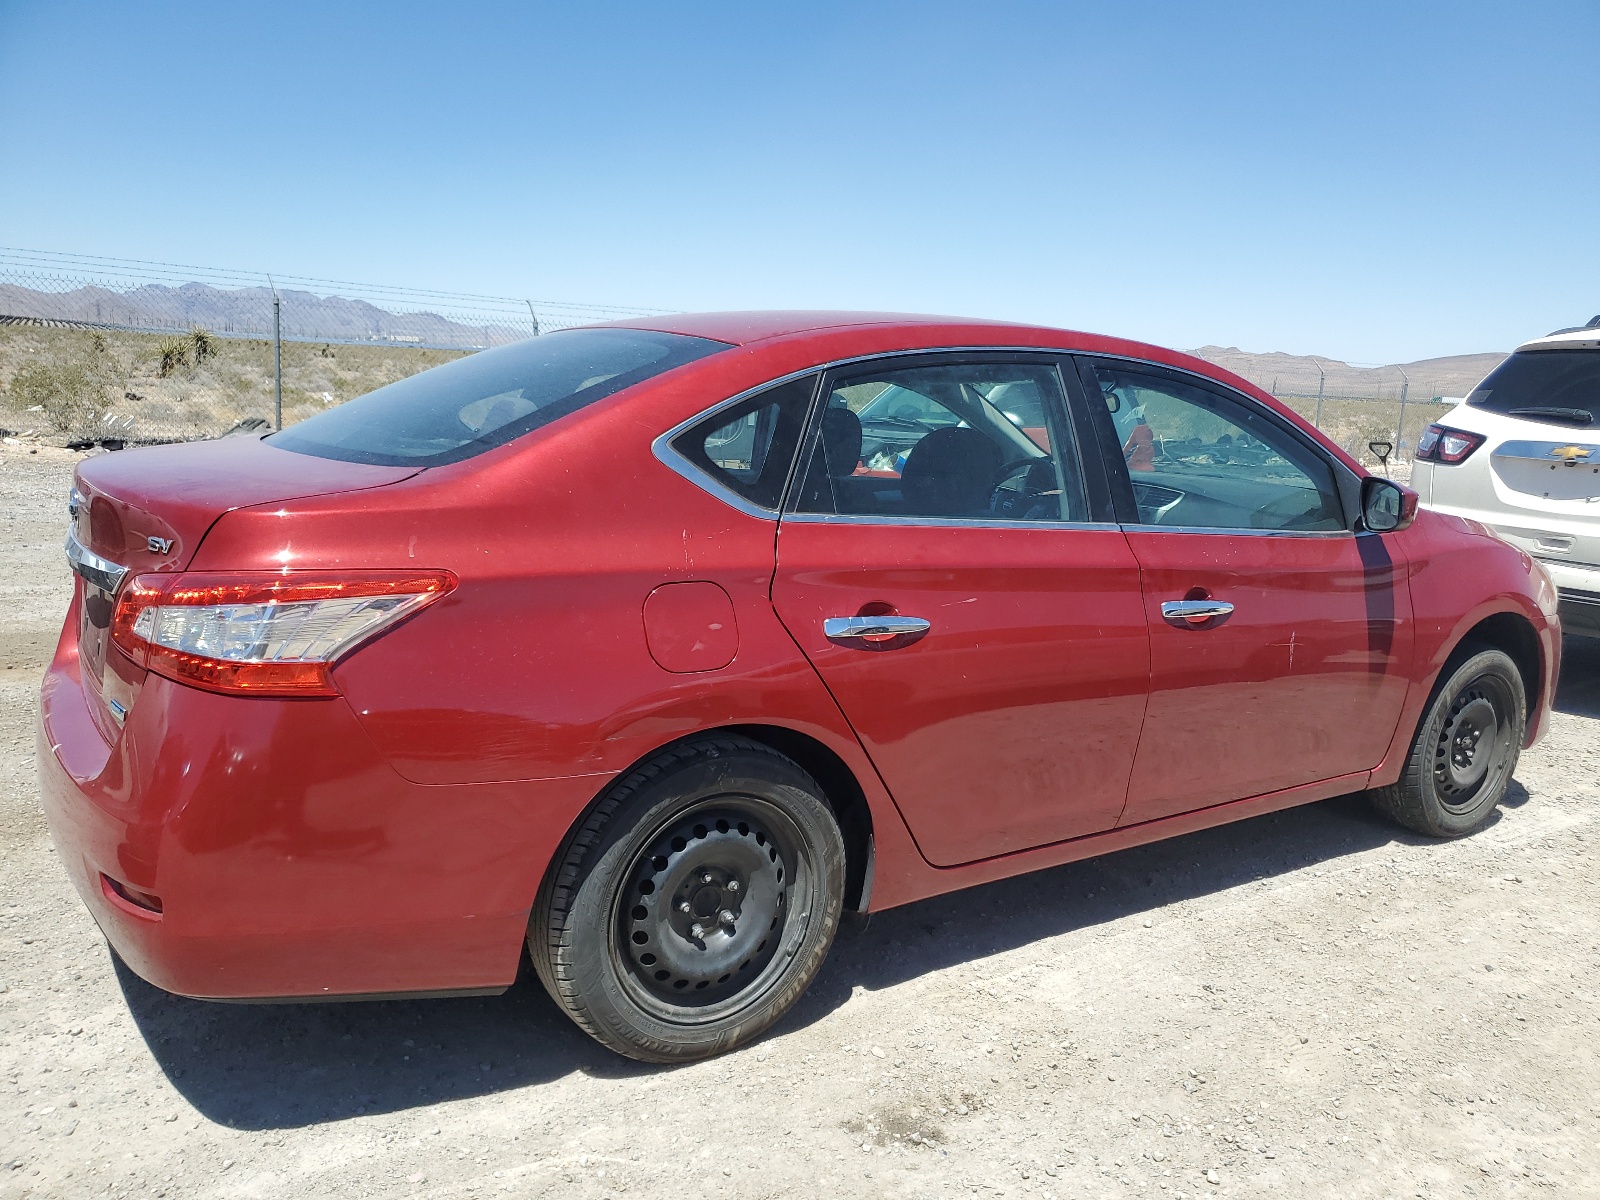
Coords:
pixel 950 473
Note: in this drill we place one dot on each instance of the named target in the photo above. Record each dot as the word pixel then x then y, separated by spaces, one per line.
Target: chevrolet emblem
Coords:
pixel 1570 454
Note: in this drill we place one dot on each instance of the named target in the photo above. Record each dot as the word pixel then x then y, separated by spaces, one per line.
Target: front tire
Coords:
pixel 694 904
pixel 1464 752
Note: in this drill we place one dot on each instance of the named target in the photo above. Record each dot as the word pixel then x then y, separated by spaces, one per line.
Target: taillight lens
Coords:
pixel 267 633
pixel 1440 443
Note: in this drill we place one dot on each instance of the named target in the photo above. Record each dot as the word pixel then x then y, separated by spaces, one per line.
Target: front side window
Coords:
pixel 1198 458
pixel 1558 387
pixel 484 400
pixel 963 441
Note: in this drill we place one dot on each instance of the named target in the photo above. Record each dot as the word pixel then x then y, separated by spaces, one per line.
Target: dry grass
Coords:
pixel 234 381
pixel 135 401
pixel 1354 423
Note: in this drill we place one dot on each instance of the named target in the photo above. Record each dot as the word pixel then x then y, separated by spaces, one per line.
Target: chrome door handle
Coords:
pixel 1194 611
pixel 872 629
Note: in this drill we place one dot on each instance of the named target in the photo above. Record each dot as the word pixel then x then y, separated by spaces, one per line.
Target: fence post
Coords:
pixel 534 316
pixel 1405 386
pixel 277 358
pixel 1322 378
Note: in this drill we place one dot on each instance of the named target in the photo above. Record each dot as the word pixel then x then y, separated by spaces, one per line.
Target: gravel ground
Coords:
pixel 1309 1003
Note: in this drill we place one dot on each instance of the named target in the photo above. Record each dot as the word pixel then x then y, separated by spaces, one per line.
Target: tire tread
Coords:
pixel 1406 800
pixel 549 943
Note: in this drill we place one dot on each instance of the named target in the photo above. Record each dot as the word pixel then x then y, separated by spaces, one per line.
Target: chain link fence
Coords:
pixel 1375 413
pixel 117 351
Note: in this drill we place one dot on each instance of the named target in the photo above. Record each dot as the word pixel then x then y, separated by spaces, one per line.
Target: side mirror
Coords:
pixel 1386 507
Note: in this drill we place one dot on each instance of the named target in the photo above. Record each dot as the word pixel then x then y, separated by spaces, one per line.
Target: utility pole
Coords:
pixel 277 357
pixel 534 316
pixel 1405 386
pixel 1322 378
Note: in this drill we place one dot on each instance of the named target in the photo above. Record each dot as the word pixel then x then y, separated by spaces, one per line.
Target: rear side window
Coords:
pixel 750 447
pixel 471 405
pixel 958 441
pixel 1561 387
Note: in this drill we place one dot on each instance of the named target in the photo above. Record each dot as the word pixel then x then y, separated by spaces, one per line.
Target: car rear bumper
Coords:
pixel 1578 594
pixel 289 860
pixel 1580 612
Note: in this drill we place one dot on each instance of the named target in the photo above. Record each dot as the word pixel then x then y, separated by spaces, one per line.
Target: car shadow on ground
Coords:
pixel 1578 689
pixel 285 1066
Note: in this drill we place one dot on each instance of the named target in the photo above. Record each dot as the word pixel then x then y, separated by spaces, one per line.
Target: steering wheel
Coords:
pixel 1003 501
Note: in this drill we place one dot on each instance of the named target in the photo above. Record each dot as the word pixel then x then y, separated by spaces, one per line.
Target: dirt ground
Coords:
pixel 1305 1004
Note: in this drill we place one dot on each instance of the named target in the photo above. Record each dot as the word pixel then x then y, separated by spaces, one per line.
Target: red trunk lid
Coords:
pixel 148 509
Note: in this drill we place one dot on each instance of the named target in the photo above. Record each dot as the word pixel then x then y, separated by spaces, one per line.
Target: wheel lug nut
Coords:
pixel 733 885
pixel 697 930
pixel 725 916
pixel 683 906
pixel 707 877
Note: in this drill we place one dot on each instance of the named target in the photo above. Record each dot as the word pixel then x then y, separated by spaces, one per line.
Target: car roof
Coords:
pixel 925 330
pixel 742 328
pixel 1587 338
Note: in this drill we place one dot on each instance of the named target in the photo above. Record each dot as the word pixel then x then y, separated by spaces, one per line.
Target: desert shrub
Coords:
pixel 69 391
pixel 173 353
pixel 201 344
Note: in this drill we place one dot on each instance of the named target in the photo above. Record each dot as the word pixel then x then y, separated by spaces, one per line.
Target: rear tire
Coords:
pixel 1465 750
pixel 694 905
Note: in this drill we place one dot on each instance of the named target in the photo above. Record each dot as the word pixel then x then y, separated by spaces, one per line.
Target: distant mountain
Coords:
pixel 1296 374
pixel 248 312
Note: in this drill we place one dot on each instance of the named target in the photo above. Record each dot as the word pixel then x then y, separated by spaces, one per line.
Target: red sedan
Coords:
pixel 655 647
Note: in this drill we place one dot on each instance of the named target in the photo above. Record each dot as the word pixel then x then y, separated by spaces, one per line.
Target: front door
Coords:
pixel 1277 635
pixel 983 635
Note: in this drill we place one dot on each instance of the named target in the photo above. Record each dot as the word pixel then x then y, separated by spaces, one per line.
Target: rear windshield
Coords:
pixel 1559 387
pixel 476 403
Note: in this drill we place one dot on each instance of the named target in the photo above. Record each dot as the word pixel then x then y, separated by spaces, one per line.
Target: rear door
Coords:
pixel 949 567
pixel 1278 636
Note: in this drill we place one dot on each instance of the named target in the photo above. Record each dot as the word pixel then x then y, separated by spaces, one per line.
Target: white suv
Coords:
pixel 1522 455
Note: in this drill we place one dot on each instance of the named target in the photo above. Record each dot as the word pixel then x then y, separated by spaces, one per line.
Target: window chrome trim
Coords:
pixel 1234 531
pixel 101 572
pixel 945 522
pixel 661 447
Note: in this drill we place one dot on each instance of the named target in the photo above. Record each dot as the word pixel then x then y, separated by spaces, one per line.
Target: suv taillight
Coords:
pixel 263 633
pixel 1440 443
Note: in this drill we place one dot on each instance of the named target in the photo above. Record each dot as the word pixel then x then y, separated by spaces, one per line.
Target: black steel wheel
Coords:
pixel 700 927
pixel 694 904
pixel 1465 748
pixel 1473 739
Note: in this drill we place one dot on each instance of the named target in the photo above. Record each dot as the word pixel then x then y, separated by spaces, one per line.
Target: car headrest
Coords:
pixel 950 473
pixel 841 439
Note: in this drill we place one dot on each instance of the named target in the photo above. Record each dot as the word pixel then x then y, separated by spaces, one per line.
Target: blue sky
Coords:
pixel 1373 182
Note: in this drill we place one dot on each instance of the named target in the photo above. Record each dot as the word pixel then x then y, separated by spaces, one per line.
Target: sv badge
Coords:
pixel 157 545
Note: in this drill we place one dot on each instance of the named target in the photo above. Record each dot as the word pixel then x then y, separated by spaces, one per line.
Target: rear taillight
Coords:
pixel 263 633
pixel 1440 443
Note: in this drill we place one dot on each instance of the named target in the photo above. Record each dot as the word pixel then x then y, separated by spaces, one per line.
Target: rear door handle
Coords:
pixel 1194 612
pixel 872 629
